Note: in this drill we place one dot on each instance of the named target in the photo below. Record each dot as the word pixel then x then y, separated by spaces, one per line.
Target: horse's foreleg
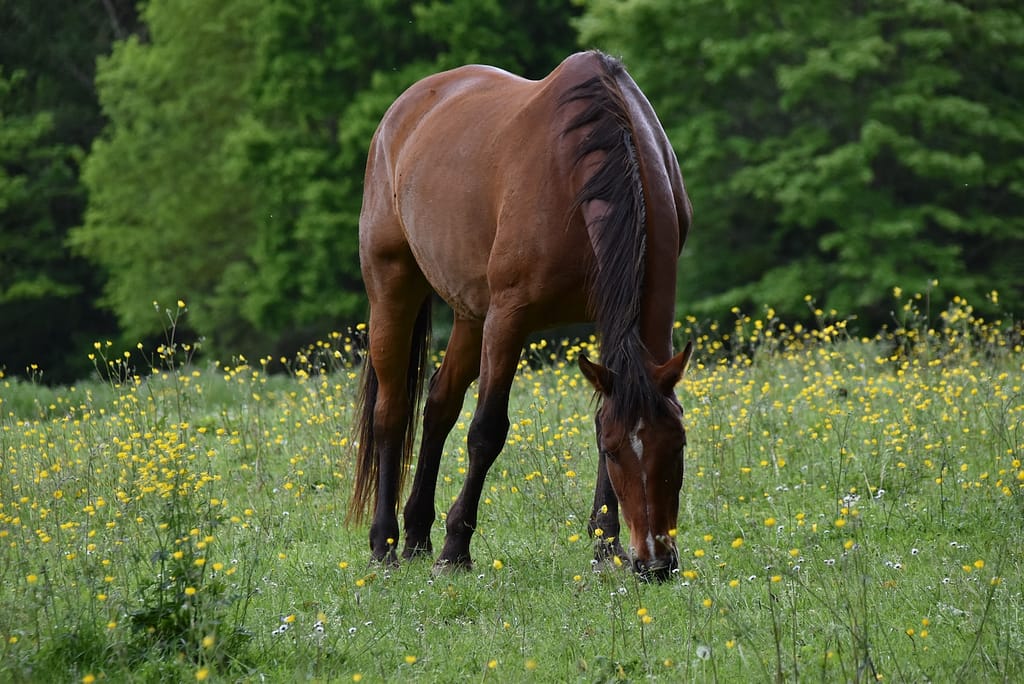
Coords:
pixel 448 387
pixel 487 434
pixel 604 517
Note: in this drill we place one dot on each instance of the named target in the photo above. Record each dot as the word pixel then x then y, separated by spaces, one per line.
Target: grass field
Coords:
pixel 853 510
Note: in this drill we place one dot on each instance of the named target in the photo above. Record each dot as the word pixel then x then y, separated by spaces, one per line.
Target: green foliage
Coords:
pixel 181 605
pixel 33 170
pixel 311 111
pixel 525 38
pixel 164 217
pixel 48 116
pixel 836 149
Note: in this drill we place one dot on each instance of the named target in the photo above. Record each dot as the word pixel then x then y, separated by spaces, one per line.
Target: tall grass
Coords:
pixel 851 511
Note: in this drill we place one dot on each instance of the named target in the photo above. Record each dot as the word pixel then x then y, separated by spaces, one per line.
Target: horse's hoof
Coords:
pixel 443 566
pixel 387 560
pixel 603 551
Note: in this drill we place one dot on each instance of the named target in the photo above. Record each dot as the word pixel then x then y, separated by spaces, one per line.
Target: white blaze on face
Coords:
pixel 634 440
pixel 638 448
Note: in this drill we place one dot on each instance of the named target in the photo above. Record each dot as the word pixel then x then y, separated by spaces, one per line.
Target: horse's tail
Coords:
pixel 367 459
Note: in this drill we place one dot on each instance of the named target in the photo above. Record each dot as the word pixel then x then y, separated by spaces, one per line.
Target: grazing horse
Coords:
pixel 524 205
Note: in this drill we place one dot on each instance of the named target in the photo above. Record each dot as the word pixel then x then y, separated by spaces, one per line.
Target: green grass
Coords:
pixel 851 511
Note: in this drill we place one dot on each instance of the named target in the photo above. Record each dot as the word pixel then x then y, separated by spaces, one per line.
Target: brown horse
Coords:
pixel 523 204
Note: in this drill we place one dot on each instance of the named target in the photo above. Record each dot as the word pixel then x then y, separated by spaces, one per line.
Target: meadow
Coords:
pixel 852 510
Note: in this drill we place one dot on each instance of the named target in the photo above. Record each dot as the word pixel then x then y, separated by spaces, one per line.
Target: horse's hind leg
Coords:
pixel 448 387
pixel 397 293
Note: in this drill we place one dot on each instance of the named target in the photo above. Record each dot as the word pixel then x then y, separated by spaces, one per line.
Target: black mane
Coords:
pixel 615 289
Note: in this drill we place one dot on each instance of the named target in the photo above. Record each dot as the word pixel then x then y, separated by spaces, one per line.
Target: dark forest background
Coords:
pixel 212 151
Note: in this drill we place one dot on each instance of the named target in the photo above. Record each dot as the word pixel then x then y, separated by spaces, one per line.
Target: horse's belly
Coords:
pixel 466 294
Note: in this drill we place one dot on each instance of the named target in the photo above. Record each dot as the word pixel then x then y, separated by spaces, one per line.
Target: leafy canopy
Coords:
pixel 836 148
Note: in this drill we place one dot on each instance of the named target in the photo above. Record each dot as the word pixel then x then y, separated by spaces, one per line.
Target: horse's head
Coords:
pixel 644 459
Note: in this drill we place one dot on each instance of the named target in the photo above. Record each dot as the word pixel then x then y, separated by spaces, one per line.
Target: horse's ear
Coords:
pixel 668 375
pixel 598 376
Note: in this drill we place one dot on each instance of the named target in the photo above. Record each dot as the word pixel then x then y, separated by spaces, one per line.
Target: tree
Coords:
pixel 166 213
pixel 528 39
pixel 324 75
pixel 48 115
pixel 837 149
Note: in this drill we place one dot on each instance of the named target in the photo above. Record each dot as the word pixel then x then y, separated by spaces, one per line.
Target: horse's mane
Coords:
pixel 615 287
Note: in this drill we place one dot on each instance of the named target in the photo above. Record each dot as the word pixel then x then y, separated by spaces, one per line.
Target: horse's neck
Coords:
pixel 657 305
pixel 656 335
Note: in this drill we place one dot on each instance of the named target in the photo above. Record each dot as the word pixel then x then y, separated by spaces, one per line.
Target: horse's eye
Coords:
pixel 608 455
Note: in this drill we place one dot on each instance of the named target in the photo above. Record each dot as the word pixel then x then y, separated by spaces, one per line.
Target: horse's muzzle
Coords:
pixel 657 569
